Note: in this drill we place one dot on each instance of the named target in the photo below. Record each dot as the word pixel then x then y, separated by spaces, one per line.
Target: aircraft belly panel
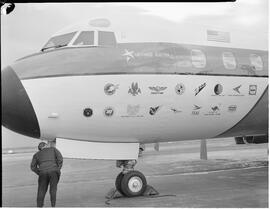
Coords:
pixel 97 150
pixel 144 108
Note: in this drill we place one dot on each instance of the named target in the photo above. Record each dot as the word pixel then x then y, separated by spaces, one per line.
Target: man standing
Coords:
pixel 47 163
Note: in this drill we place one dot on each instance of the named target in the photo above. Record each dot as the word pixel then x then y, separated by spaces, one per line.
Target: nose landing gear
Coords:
pixel 130 182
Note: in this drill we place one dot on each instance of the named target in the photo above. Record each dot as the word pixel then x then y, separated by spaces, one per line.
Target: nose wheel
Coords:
pixel 118 182
pixel 131 184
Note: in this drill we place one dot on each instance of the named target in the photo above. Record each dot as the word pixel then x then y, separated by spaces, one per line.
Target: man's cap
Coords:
pixel 41 145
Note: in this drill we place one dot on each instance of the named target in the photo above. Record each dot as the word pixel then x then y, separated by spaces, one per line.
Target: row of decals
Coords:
pixel 133 110
pixel 135 90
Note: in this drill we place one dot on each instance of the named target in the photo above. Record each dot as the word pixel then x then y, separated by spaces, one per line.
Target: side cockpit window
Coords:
pixel 85 38
pixel 198 58
pixel 256 61
pixel 106 38
pixel 59 41
pixel 229 60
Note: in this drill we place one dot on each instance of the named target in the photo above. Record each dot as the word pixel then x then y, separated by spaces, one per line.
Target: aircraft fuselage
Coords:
pixel 145 92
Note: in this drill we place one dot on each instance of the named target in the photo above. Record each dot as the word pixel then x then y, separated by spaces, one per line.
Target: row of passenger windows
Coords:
pixel 229 61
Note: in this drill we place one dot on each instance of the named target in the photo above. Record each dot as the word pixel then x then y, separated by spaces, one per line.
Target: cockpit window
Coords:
pixel 106 38
pixel 59 41
pixel 85 38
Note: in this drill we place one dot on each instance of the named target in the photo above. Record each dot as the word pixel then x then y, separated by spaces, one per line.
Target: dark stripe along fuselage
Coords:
pixel 133 58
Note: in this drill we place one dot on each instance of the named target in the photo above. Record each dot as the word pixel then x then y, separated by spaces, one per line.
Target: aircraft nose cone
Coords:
pixel 17 111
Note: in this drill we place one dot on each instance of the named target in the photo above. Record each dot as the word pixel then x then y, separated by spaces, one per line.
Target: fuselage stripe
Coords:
pixel 140 73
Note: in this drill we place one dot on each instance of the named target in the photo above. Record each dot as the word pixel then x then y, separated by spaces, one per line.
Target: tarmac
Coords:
pixel 234 176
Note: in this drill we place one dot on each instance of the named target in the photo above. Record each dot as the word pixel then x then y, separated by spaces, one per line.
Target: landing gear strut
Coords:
pixel 130 182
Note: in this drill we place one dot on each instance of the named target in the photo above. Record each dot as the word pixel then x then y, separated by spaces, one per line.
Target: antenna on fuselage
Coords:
pixel 100 22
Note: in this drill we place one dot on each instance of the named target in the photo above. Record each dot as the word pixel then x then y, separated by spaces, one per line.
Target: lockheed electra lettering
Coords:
pixel 89 89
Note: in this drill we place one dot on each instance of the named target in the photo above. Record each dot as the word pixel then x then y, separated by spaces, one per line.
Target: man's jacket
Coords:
pixel 46 160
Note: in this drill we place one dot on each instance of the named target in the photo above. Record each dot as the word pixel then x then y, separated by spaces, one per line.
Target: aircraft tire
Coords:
pixel 118 182
pixel 133 184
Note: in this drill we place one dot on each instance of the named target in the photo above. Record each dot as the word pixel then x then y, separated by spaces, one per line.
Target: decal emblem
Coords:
pixel 176 110
pixel 132 111
pixel 237 89
pixel 157 89
pixel 179 88
pixel 110 89
pixel 196 109
pixel 215 110
pixel 232 108
pixel 109 111
pixel 88 112
pixel 134 89
pixel 198 90
pixel 218 89
pixel 252 89
pixel 153 110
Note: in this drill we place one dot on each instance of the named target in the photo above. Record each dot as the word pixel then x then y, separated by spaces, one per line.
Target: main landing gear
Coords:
pixel 130 182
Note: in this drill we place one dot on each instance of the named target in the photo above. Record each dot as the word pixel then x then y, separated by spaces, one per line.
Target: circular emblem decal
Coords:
pixel 180 89
pixel 88 112
pixel 218 89
pixel 109 111
pixel 110 88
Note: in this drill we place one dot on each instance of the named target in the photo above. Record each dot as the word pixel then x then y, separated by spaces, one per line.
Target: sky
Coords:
pixel 30 25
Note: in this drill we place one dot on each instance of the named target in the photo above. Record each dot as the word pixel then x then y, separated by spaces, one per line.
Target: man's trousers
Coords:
pixel 45 179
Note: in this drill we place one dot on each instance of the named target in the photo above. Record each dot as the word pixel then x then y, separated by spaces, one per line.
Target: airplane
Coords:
pixel 96 92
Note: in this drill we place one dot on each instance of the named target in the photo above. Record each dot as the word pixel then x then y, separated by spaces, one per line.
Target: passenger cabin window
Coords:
pixel 198 58
pixel 256 61
pixel 106 38
pixel 59 41
pixel 229 60
pixel 85 38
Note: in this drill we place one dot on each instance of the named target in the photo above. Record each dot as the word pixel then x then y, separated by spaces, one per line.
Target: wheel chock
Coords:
pixel 113 194
pixel 150 191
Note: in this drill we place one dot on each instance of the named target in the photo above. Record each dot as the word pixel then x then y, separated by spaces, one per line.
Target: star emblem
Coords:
pixel 128 55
